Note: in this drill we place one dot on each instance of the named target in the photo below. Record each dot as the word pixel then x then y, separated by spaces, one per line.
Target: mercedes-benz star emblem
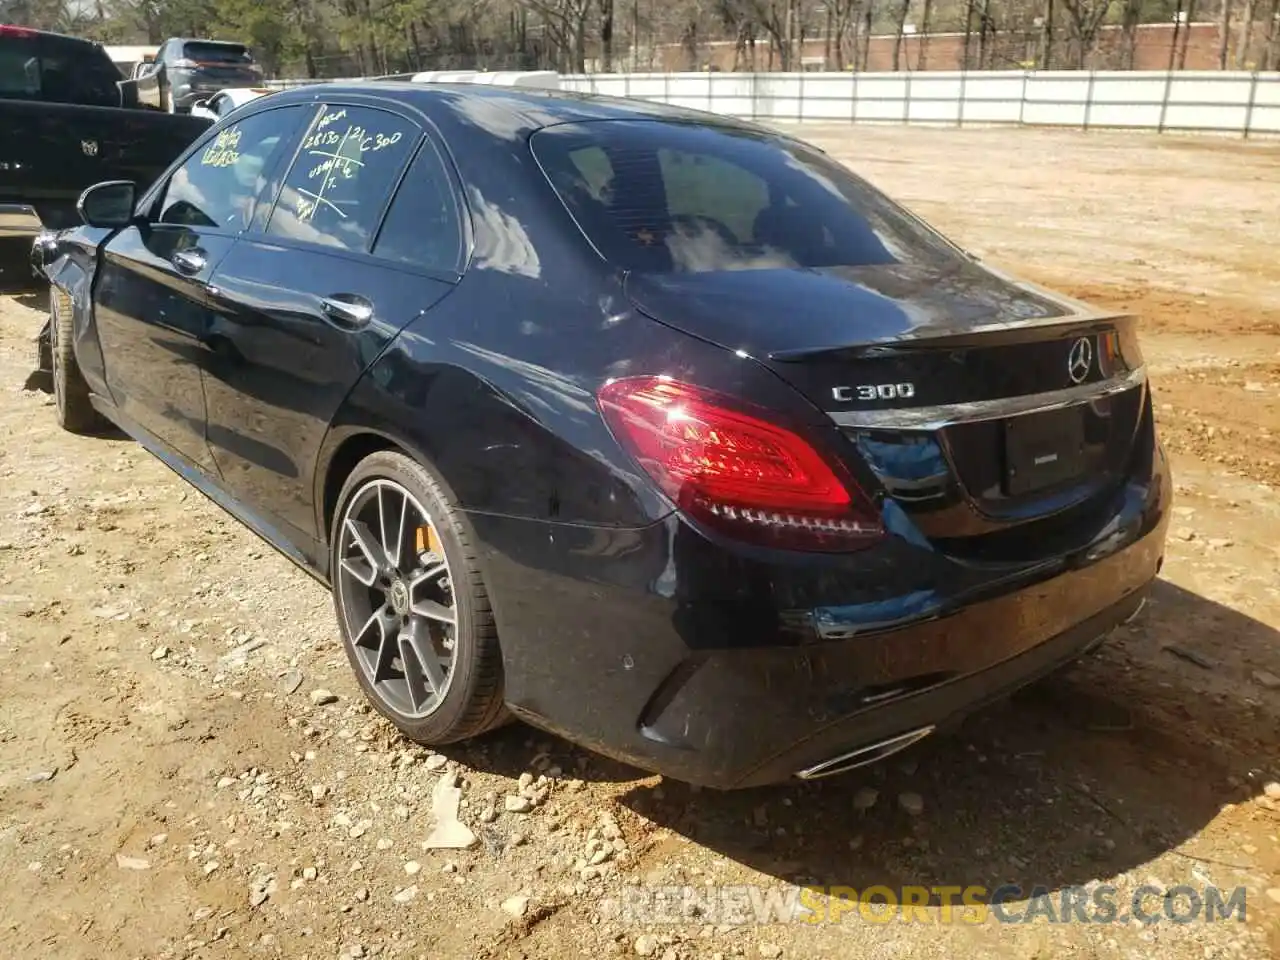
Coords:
pixel 400 597
pixel 1080 360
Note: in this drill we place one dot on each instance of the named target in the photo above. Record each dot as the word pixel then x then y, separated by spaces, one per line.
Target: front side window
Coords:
pixel 349 163
pixel 681 197
pixel 217 185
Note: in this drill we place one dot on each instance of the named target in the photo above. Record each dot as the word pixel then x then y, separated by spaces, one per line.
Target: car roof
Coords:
pixel 221 43
pixel 243 94
pixel 32 32
pixel 505 110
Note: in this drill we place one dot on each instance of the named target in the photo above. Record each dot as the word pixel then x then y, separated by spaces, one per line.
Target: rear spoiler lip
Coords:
pixel 926 337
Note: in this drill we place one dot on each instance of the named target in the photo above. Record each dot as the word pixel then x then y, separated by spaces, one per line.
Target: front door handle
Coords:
pixel 189 262
pixel 347 309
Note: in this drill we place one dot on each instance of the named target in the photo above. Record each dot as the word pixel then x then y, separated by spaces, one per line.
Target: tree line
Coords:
pixel 328 38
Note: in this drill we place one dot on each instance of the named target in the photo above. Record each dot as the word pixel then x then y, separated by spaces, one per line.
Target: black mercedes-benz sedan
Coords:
pixel 655 429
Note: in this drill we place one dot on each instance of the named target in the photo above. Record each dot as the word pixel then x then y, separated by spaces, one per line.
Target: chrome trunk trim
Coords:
pixel 948 414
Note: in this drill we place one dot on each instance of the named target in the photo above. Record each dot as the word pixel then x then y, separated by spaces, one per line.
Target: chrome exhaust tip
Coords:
pixel 1137 612
pixel 864 755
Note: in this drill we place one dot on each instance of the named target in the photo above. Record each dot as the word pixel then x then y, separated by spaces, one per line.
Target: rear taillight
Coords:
pixel 9 30
pixel 734 471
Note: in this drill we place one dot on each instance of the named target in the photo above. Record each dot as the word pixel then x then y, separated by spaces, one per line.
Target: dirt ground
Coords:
pixel 170 788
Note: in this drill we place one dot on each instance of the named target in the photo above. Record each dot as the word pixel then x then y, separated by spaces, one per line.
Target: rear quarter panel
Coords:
pixel 495 387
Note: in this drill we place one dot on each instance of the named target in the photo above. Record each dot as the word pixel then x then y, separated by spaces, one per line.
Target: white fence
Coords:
pixel 545 79
pixel 1244 104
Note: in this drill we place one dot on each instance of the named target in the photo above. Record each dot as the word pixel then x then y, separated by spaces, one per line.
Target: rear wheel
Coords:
pixel 70 391
pixel 413 610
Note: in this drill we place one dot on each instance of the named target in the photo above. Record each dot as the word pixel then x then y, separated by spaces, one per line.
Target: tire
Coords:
pixel 368 612
pixel 70 392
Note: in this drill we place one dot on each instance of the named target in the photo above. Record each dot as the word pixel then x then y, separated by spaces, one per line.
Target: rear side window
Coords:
pixel 422 226
pixel 19 66
pixel 204 52
pixel 339 184
pixel 677 197
pixel 34 67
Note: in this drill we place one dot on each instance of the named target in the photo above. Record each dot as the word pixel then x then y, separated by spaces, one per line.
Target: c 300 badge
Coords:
pixel 89 147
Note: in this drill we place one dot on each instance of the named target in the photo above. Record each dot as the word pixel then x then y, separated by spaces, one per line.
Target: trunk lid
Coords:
pixel 788 313
pixel 999 417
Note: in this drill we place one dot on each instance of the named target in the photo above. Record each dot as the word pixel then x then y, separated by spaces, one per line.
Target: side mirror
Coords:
pixel 202 104
pixel 108 204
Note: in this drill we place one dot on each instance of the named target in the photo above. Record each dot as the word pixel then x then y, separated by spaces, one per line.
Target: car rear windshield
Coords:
pixel 662 197
pixel 35 66
pixel 205 52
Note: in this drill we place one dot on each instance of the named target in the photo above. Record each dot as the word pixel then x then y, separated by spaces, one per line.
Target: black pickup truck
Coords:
pixel 69 122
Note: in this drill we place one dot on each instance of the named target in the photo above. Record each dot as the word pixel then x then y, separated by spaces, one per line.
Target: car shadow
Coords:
pixel 1087 774
pixel 40 381
pixel 33 297
pixel 16 275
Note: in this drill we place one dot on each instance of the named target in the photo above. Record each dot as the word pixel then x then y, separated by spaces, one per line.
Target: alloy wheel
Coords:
pixel 396 598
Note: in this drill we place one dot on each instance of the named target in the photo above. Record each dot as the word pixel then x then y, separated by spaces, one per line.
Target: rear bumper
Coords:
pixel 19 220
pixel 870 734
pixel 187 91
pixel 663 650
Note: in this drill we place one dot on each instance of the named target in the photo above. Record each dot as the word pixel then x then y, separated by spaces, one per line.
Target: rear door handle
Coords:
pixel 347 309
pixel 189 262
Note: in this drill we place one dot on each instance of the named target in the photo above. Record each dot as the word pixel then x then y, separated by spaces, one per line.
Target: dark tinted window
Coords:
pixel 349 163
pixel 206 52
pixel 422 227
pixel 73 73
pixel 19 66
pixel 665 197
pixel 34 67
pixel 217 185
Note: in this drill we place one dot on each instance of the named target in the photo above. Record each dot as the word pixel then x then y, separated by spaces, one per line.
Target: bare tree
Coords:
pixel 965 63
pixel 1186 34
pixel 344 37
pixel 986 31
pixel 1246 31
pixel 1085 18
pixel 565 23
pixel 1224 35
pixel 606 35
pixel 1271 50
pixel 901 22
pixel 922 56
pixel 1129 33
pixel 1177 26
pixel 1046 36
